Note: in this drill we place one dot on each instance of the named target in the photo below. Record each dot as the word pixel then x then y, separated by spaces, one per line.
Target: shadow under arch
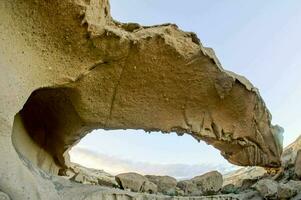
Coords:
pixel 47 122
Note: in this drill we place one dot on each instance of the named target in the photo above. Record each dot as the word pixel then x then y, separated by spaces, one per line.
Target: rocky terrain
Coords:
pixel 245 183
pixel 68 68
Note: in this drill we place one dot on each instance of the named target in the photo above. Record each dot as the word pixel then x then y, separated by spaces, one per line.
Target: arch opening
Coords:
pixel 48 126
pixel 121 151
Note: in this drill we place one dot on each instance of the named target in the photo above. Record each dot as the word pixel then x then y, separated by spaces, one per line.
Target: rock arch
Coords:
pixel 67 67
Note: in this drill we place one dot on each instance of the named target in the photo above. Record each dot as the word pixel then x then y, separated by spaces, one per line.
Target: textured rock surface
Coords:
pixel 290 153
pixel 131 181
pixel 267 188
pixel 248 173
pixel 149 187
pixel 289 189
pixel 67 68
pixel 209 183
pixel 189 188
pixel 4 196
pixel 90 176
pixel 298 164
pixel 166 184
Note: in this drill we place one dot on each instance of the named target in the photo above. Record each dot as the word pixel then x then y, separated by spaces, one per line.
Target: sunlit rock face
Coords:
pixel 67 68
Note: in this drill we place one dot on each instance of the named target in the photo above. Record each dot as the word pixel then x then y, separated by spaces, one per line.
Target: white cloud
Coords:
pixel 115 165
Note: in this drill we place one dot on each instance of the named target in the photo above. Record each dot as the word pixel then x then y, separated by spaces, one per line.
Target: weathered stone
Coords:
pixel 286 191
pixel 247 183
pixel 267 188
pixel 289 155
pixel 298 164
pixel 4 196
pixel 131 181
pixel 166 184
pixel 179 192
pixel 209 183
pixel 67 68
pixel 80 178
pixel 289 189
pixel 189 188
pixel 149 187
pixel 297 197
pixel 229 189
pixel 238 177
pixel 91 176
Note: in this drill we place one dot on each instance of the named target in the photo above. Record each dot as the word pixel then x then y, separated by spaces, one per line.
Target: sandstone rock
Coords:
pixel 297 197
pixel 149 187
pixel 179 192
pixel 189 188
pixel 289 155
pixel 92 176
pixel 286 191
pixel 289 189
pixel 229 189
pixel 4 196
pixel 267 188
pixel 247 183
pixel 80 178
pixel 298 164
pixel 237 177
pixel 88 71
pixel 166 184
pixel 209 183
pixel 136 183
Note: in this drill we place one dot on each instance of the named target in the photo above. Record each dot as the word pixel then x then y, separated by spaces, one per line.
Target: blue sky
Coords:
pixel 257 39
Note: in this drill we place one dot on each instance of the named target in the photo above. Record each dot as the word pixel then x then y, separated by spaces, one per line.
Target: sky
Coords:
pixel 257 39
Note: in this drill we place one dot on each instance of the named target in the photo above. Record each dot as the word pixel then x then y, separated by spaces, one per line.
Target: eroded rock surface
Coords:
pixel 85 175
pixel 239 176
pixel 189 188
pixel 67 68
pixel 267 188
pixel 4 196
pixel 209 183
pixel 289 155
pixel 131 181
pixel 298 164
pixel 166 184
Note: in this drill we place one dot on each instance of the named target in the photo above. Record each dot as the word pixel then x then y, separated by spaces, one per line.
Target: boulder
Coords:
pixel 149 187
pixel 243 176
pixel 166 184
pixel 4 196
pixel 179 192
pixel 189 188
pixel 131 181
pixel 298 164
pixel 285 191
pixel 229 189
pixel 91 176
pixel 247 183
pixel 289 189
pixel 289 154
pixel 80 178
pixel 209 183
pixel 267 188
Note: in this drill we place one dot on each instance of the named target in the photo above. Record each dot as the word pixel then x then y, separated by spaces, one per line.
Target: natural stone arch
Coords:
pixel 120 76
pixel 198 99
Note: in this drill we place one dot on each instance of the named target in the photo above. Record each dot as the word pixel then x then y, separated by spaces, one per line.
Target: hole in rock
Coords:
pixel 49 128
pixel 120 151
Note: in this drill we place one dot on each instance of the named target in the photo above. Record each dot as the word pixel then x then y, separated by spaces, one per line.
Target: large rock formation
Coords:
pixel 209 183
pixel 67 68
pixel 290 152
pixel 166 184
